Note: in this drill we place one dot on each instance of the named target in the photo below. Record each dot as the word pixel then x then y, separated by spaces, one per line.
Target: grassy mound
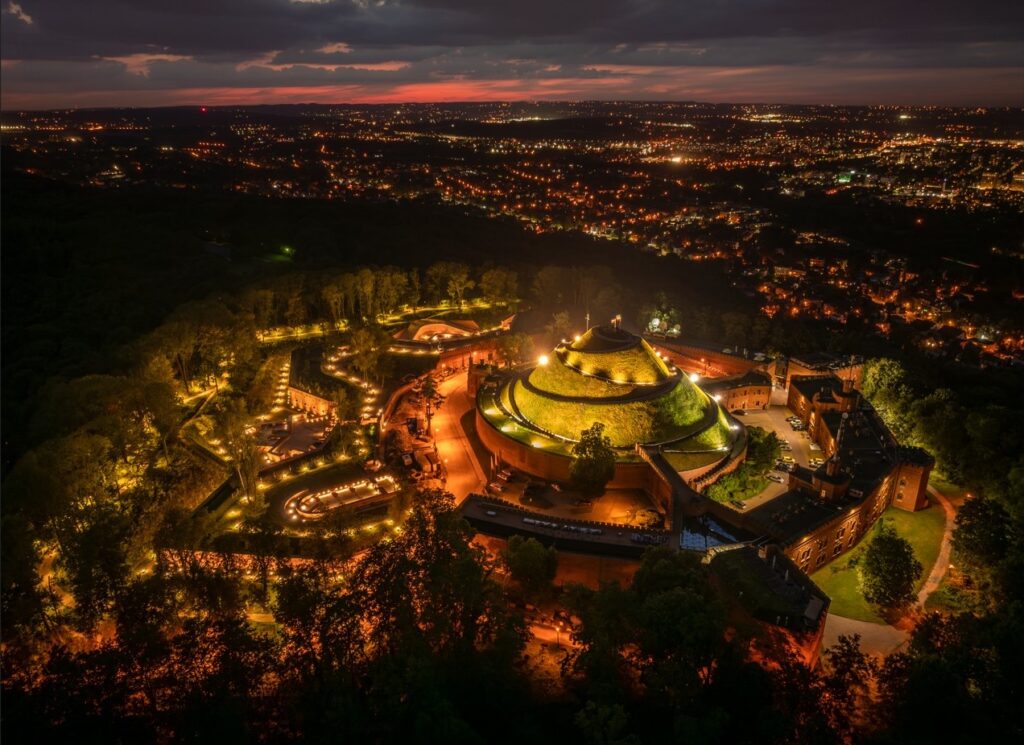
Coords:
pixel 636 364
pixel 667 417
pixel 564 381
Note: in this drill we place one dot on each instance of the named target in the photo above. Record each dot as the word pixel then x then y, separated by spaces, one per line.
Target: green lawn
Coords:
pixel 838 579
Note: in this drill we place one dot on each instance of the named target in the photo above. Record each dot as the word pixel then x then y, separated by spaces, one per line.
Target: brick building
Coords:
pixel 748 391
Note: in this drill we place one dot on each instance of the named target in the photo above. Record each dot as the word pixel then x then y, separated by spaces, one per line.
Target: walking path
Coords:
pixel 942 561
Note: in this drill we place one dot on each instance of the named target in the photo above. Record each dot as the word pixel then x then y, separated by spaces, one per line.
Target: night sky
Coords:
pixel 62 53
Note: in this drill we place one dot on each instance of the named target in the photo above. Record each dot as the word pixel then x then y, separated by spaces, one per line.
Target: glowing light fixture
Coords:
pixel 694 377
pixel 542 360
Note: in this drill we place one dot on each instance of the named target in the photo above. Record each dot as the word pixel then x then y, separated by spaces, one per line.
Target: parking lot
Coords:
pixel 774 420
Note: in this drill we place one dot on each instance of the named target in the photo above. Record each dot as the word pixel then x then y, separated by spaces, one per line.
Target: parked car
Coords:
pixel 773 477
pixel 739 412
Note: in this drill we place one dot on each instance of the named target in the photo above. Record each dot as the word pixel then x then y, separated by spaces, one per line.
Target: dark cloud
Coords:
pixel 104 50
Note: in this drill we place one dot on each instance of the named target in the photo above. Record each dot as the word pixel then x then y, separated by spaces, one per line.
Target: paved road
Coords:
pixel 465 474
pixel 942 561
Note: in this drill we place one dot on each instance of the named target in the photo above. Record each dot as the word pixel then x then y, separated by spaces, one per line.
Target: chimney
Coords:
pixel 832 466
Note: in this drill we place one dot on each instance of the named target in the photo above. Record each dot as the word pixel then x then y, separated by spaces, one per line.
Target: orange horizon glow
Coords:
pixel 768 84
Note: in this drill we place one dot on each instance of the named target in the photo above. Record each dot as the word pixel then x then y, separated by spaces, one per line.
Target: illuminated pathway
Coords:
pixel 464 472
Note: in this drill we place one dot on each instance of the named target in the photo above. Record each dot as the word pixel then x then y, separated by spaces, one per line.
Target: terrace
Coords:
pixel 364 493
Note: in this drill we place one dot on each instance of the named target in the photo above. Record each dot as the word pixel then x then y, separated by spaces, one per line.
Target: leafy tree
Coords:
pixel 603 724
pixel 163 412
pixel 236 431
pixel 447 279
pixel 345 407
pixel 498 285
pixel 884 381
pixel 366 282
pixel 22 602
pixel 560 326
pixel 366 343
pixel 264 541
pixel 981 537
pixel 531 564
pixel 333 296
pixel 413 290
pixel 458 283
pixel 593 464
pixel 735 327
pixel 888 569
pixel 847 684
pixel 550 285
pixel 516 348
pixel 956 682
pixel 598 657
pixel 429 387
pixel 95 559
pixel 763 450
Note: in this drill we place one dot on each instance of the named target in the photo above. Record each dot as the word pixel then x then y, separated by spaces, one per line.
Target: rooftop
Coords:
pixel 793 514
pixel 770 588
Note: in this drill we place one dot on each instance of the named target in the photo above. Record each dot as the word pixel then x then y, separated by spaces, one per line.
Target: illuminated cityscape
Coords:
pixel 468 372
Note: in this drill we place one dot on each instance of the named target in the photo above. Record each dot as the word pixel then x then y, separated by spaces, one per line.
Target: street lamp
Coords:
pixel 694 377
pixel 542 360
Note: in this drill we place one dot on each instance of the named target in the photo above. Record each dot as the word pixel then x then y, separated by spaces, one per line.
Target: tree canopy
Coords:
pixel 593 464
pixel 888 569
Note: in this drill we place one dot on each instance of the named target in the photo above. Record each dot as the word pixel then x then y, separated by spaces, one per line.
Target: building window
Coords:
pixel 899 497
pixel 838 549
pixel 805 555
pixel 852 539
pixel 840 534
pixel 820 560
